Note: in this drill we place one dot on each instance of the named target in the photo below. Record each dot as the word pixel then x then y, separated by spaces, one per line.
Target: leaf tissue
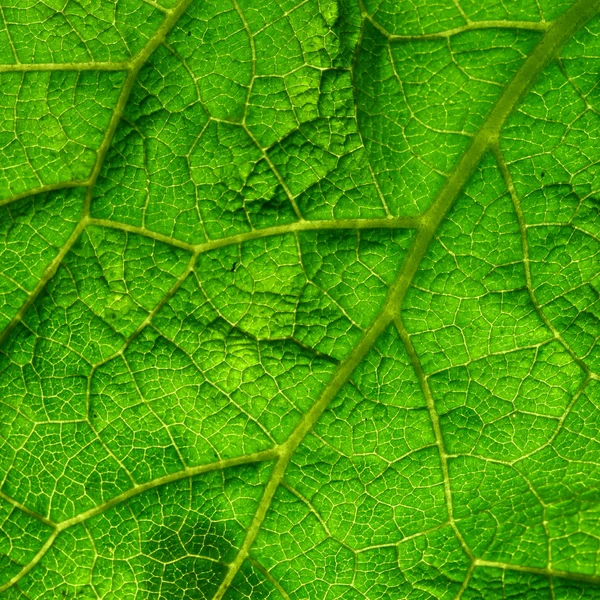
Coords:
pixel 300 299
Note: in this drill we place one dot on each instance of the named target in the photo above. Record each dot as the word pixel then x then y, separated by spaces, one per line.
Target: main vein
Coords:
pixel 555 37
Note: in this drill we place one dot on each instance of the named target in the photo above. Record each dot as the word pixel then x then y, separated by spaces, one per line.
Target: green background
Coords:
pixel 299 299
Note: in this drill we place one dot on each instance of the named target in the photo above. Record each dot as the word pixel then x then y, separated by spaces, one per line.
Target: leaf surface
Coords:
pixel 299 299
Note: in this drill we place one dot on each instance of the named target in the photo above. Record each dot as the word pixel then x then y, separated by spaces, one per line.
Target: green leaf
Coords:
pixel 299 299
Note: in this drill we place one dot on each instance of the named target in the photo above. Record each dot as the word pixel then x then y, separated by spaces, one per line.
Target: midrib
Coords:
pixel 562 30
pixel 554 39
